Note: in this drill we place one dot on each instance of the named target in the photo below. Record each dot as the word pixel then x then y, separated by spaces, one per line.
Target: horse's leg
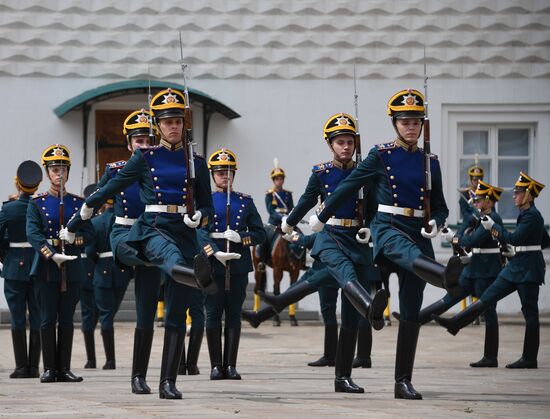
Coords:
pixel 277 277
pixel 292 308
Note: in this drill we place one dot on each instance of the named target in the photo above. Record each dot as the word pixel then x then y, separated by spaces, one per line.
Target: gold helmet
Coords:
pixel 487 191
pixel 29 176
pixel 222 159
pixel 476 172
pixel 276 171
pixel 338 124
pixel 528 184
pixel 168 103
pixel 56 155
pixel 137 123
pixel 407 104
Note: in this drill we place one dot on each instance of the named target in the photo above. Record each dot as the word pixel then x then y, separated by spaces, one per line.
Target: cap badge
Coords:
pixel 342 121
pixel 409 100
pixel 142 118
pixel 170 98
pixel 58 152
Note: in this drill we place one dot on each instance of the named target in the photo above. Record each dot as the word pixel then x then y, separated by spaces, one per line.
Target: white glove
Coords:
pixel 487 223
pixel 447 234
pixel 66 235
pixel 232 236
pixel 290 237
pixel 1 266
pixel 59 258
pixel 315 224
pixel 364 231
pixel 510 251
pixel 286 228
pixel 223 257
pixel 433 231
pixel 86 212
pixel 194 221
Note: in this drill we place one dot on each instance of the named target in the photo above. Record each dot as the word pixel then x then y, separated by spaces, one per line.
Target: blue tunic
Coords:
pixel 278 204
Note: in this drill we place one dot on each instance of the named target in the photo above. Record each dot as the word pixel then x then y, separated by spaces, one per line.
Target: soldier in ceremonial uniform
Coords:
pixel 164 234
pixel 475 174
pixel 484 266
pixel 394 173
pixel 57 274
pixel 19 289
pixel 278 201
pixel 110 280
pixel 228 242
pixel 88 306
pixel 523 273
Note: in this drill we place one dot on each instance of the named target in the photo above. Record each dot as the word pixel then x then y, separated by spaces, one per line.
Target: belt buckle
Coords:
pixel 55 242
pixel 408 212
pixel 347 222
pixel 172 209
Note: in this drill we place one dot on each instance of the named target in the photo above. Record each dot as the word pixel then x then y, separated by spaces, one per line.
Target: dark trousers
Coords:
pixel 20 296
pixel 108 302
pixel 57 306
pixel 196 307
pixel 88 309
pixel 147 285
pixel 228 302
pixel 328 297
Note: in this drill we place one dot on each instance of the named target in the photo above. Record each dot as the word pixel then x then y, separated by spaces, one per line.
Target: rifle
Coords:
pixel 427 164
pixel 228 227
pixel 188 129
pixel 150 119
pixel 61 247
pixel 358 156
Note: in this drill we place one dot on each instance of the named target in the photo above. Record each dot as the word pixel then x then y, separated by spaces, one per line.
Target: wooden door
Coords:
pixel 111 142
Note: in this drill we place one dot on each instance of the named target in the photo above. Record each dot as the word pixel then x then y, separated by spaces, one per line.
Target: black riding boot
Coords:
pixel 195 340
pixel 214 340
pixel 232 336
pixel 292 295
pixel 426 314
pixel 530 349
pixel 369 307
pixel 34 353
pixel 490 351
pixel 182 369
pixel 439 275
pixel 462 319
pixel 171 355
pixel 143 340
pixel 329 353
pixel 344 361
pixel 407 338
pixel 256 318
pixel 64 353
pixel 47 341
pixel 200 276
pixel 108 336
pixel 89 344
pixel 364 348
pixel 19 339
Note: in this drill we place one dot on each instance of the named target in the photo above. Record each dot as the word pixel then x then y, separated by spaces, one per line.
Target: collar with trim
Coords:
pixel 170 146
pixel 407 147
pixel 55 193
pixel 343 166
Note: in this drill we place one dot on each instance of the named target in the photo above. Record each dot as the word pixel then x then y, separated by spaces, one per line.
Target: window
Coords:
pixel 502 151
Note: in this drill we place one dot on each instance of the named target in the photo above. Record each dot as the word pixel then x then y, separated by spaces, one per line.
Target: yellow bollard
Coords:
pixel 387 310
pixel 463 304
pixel 256 302
pixel 188 319
pixel 160 310
pixel 292 310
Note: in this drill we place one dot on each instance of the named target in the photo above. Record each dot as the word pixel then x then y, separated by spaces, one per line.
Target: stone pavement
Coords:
pixel 277 383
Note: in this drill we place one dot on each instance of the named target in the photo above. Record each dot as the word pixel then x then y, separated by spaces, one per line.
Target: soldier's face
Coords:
pixel 56 173
pixel 278 181
pixel 171 129
pixel 483 204
pixel 474 182
pixel 520 198
pixel 138 141
pixel 221 178
pixel 343 147
pixel 409 129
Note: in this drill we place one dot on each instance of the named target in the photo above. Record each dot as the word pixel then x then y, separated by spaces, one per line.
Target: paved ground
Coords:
pixel 277 383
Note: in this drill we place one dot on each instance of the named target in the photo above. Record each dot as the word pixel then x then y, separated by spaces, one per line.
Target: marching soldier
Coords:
pixel 88 307
pixel 110 280
pixel 57 267
pixel 236 226
pixel 19 289
pixel 484 266
pixel 188 364
pixel 475 174
pixel 523 273
pixel 394 173
pixel 164 235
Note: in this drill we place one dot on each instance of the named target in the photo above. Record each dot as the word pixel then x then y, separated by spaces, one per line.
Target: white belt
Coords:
pixel 371 244
pixel 217 235
pixel 407 212
pixel 533 248
pixel 168 209
pixel 343 222
pixel 492 250
pixel 105 255
pixel 53 242
pixel 22 245
pixel 125 221
pixel 281 210
pixel 83 255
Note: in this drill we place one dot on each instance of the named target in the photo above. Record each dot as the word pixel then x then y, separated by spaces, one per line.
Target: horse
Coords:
pixel 283 259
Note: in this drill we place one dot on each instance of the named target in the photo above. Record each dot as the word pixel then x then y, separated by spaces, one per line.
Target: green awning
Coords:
pixel 128 87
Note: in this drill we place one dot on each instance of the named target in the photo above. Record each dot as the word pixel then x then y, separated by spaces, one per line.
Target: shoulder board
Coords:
pixel 385 146
pixel 242 194
pixel 322 166
pixel 40 195
pixel 116 164
pixel 269 191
